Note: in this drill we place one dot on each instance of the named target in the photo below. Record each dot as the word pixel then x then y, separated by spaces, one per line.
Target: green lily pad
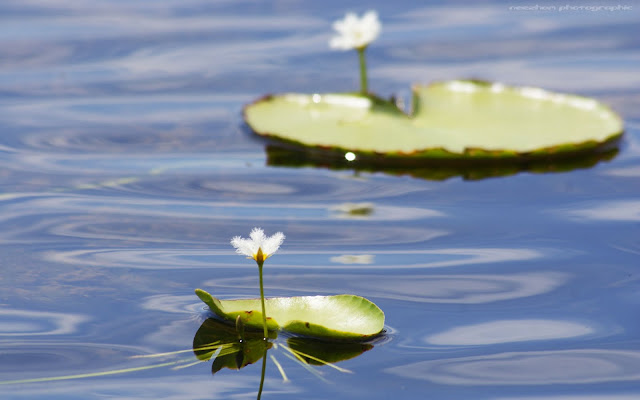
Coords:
pixel 462 120
pixel 343 317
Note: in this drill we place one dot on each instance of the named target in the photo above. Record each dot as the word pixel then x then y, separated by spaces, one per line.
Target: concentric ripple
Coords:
pixel 32 217
pixel 443 289
pixel 52 359
pixel 509 331
pixel 184 259
pixel 529 368
pixel 26 323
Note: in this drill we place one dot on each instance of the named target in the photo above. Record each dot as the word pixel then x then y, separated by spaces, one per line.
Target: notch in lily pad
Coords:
pixel 468 122
pixel 453 121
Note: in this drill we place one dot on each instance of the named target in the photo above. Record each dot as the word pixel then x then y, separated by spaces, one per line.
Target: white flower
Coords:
pixel 354 32
pixel 259 247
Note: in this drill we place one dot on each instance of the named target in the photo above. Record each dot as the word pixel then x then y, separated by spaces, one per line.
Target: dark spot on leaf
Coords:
pixel 306 324
pixel 248 312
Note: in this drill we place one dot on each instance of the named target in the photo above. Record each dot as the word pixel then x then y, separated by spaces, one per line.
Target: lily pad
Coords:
pixel 459 120
pixel 342 317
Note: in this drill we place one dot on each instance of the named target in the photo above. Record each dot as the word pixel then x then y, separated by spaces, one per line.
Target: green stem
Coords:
pixel 363 70
pixel 264 367
pixel 264 310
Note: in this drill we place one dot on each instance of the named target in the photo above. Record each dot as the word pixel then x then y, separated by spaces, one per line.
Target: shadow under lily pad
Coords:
pixel 286 155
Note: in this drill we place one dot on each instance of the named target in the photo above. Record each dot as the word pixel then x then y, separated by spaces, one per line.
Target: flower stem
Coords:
pixel 264 367
pixel 363 70
pixel 264 311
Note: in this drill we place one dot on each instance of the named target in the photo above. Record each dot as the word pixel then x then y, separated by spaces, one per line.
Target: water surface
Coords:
pixel 126 169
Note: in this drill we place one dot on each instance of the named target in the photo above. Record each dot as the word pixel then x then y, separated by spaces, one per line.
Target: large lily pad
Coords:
pixel 462 120
pixel 345 317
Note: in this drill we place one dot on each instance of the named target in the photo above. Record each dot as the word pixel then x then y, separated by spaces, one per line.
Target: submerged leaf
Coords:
pixel 466 120
pixel 345 317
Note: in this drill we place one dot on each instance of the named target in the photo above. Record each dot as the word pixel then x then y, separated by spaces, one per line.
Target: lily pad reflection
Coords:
pixel 233 350
pixel 228 348
pixel 284 155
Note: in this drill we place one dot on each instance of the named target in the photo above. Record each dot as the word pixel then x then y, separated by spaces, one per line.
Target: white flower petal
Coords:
pixel 370 18
pixel 354 32
pixel 257 235
pixel 272 244
pixel 243 246
pixel 338 43
pixel 257 241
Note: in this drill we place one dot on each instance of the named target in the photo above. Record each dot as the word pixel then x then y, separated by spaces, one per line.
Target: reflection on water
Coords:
pixel 227 347
pixel 171 304
pixel 353 259
pixel 444 289
pixel 529 368
pixel 630 172
pixel 465 289
pixel 234 347
pixel 619 210
pixel 37 359
pixel 170 387
pixel 21 323
pixel 609 396
pixel 289 156
pixel 517 330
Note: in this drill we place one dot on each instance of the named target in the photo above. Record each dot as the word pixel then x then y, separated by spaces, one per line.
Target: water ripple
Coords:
pixel 529 368
pixel 35 217
pixel 21 323
pixel 609 396
pixel 78 125
pixel 165 386
pixel 507 331
pixel 615 210
pixel 291 259
pixel 444 289
pixel 172 304
pixel 38 359
pixel 263 185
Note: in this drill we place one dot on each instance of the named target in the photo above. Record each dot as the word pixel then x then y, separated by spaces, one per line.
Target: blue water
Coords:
pixel 125 169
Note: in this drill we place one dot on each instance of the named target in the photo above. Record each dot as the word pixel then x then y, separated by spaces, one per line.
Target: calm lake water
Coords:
pixel 125 169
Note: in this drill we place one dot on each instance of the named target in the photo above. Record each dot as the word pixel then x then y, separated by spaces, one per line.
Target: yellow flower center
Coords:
pixel 259 256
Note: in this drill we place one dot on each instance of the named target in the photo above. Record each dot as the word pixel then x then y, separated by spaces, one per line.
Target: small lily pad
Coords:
pixel 343 317
pixel 461 120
